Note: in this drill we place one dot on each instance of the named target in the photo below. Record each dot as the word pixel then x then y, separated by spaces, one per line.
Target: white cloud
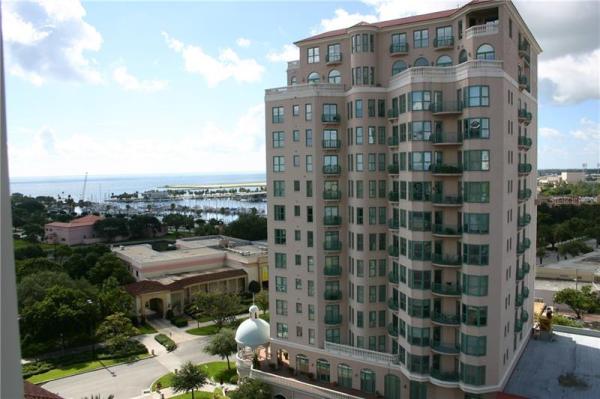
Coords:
pixel 227 65
pixel 50 40
pixel 550 133
pixel 216 144
pixel 588 131
pixel 243 42
pixel 289 52
pixel 575 77
pixel 342 19
pixel 131 83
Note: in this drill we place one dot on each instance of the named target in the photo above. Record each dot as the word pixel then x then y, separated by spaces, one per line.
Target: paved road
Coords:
pixel 130 380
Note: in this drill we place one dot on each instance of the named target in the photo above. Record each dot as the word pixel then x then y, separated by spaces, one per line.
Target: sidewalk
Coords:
pixel 179 335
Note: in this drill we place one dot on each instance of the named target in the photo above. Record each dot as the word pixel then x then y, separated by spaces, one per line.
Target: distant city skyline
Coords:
pixel 104 88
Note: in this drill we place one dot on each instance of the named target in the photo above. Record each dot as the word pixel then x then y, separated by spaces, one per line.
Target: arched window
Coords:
pixel 302 363
pixel 335 77
pixel 421 62
pixel 486 52
pixel 367 381
pixel 293 80
pixel 462 57
pixel 344 375
pixel 444 61
pixel 323 370
pixel 391 387
pixel 398 67
pixel 314 77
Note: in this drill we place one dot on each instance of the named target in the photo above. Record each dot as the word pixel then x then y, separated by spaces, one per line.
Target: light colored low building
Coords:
pixel 169 279
pixel 549 179
pixel 77 231
pixel 572 177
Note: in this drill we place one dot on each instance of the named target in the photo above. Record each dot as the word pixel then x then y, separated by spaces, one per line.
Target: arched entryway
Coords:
pixel 156 308
pixel 279 396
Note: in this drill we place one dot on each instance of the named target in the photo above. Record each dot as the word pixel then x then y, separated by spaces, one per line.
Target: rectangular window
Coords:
pixel 360 138
pixel 295 110
pixel 296 161
pixel 313 55
pixel 477 255
pixel 474 315
pixel 309 137
pixel 277 114
pixel 476 160
pixel 472 375
pixel 421 38
pixel 282 330
pixel 419 308
pixel 279 212
pixel 475 285
pixel 309 163
pixel 278 188
pixel 280 236
pixel 280 260
pixel 371 108
pixel 476 96
pixel 476 128
pixel 419 250
pixel 473 345
pixel 296 135
pixel 476 223
pixel 278 164
pixel 280 284
pixel 419 161
pixel 281 307
pixel 420 100
pixel 476 192
pixel 419 131
pixel 278 139
pixel 308 112
pixel 444 37
pixel 358 110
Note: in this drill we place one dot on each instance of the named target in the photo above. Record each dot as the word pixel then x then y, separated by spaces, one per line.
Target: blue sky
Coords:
pixel 157 87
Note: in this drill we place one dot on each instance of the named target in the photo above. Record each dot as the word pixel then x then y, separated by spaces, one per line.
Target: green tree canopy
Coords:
pixel 262 300
pixel 188 379
pixel 115 331
pixel 251 389
pixel 250 226
pixel 35 265
pixel 580 301
pixel 114 299
pixel 221 308
pixel 141 226
pixel 222 344
pixel 108 265
pixel 111 228
pixel 29 251
pixel 34 287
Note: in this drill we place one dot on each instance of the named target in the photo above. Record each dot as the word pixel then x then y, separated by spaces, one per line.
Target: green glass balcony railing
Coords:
pixel 394 224
pixel 519 299
pixel 525 142
pixel 518 325
pixel 524 316
pixel 443 42
pixel 524 220
pixel 448 376
pixel 393 168
pixel 331 118
pixel 439 198
pixel 332 245
pixel 332 270
pixel 392 113
pixel 447 230
pixel 398 48
pixel 525 116
pixel 333 58
pixel 332 220
pixel 393 141
pixel 445 348
pixel 525 292
pixel 440 107
pixel 520 274
pixel 446 260
pixel 332 295
pixel 525 168
pixel 446 138
pixel 392 329
pixel 333 319
pixel 394 196
pixel 523 245
pixel 526 267
pixel 525 194
pixel 332 144
pixel 445 169
pixel 524 83
pixel 393 251
pixel 393 304
pixel 332 169
pixel 449 289
pixel 393 278
pixel 332 194
pixel 443 318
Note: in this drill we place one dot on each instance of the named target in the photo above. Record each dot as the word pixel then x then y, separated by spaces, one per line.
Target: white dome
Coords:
pixel 253 332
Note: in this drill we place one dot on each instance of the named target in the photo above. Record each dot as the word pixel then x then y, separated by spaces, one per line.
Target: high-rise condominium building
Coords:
pixel 401 158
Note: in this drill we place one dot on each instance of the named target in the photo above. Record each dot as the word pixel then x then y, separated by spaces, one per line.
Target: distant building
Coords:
pixel 169 279
pixel 572 177
pixel 549 179
pixel 77 231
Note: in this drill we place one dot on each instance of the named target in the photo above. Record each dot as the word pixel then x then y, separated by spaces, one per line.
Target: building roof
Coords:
pixel 394 22
pixel 178 282
pixel 32 391
pixel 254 331
pixel 88 220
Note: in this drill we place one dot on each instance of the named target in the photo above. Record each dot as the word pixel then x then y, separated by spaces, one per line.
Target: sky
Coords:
pixel 124 88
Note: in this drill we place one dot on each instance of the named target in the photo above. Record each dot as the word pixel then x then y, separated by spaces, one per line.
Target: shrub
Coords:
pixel 179 321
pixel 131 349
pixel 562 320
pixel 166 342
pixel 34 368
pixel 169 314
pixel 233 379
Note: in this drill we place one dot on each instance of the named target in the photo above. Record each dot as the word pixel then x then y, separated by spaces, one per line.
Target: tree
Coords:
pixel 254 287
pixel 34 287
pixel 141 226
pixel 178 221
pixel 33 232
pixel 115 331
pixel 188 378
pixel 579 301
pixel 251 389
pixel 221 308
pixel 262 300
pixel 111 228
pixel 222 344
pixel 35 265
pixel 248 227
pixel 109 266
pixel 61 253
pixel 29 251
pixel 113 299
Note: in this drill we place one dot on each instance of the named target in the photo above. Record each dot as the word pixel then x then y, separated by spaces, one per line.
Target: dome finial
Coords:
pixel 253 311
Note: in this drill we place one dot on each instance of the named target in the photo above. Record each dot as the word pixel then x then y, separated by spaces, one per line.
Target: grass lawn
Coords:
pixel 206 330
pixel 18 243
pixel 197 395
pixel 146 329
pixel 78 368
pixel 214 370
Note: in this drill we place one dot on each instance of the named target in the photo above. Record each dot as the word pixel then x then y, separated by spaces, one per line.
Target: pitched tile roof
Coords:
pixel 82 221
pixel 32 391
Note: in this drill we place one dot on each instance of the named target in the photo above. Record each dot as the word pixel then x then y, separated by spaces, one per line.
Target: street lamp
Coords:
pixel 93 328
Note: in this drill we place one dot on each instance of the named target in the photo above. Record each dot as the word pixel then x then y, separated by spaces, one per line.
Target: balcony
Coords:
pixel 446 230
pixel 525 116
pixel 333 319
pixel 445 349
pixel 447 107
pixel 332 245
pixel 524 168
pixel 393 304
pixel 526 267
pixel 333 58
pixel 394 196
pixel 446 169
pixel 393 141
pixel 443 42
pixel 332 220
pixel 523 246
pixel 394 224
pixel 524 50
pixel 398 48
pixel 332 195
pixel 331 144
pixel 392 329
pixel 332 270
pixel 332 295
pixel 524 316
pixel 446 260
pixel 446 139
pixel 392 114
pixel 393 251
pixel 482 30
pixel 393 169
pixel 520 274
pixel 524 220
pixel 525 292
pixel 446 289
pixel 445 319
pixel 524 194
pixel 446 200
pixel 524 83
pixel 332 169
pixel 393 278
pixel 525 142
pixel 447 376
pixel 518 326
pixel 331 119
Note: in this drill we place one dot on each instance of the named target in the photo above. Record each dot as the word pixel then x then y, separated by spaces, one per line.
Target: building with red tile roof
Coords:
pixel 77 231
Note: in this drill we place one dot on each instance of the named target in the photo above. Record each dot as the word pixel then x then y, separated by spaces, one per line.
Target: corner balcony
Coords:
pixel 524 51
pixel 524 220
pixel 394 196
pixel 392 330
pixel 482 30
pixel 394 224
pixel 332 245
pixel 332 271
pixel 332 195
pixel 331 144
pixel 398 48
pixel 445 349
pixel 333 58
pixel 332 169
pixel 446 230
pixel 442 169
pixel 524 194
pixel 393 251
pixel 526 268
pixel 393 169
pixel 446 260
pixel 525 168
pixel 332 220
pixel 446 376
pixel 446 139
pixel 393 141
pixel 525 116
pixel 332 295
pixel 331 119
pixel 524 83
pixel 445 319
pixel 393 304
pixel 446 289
pixel 519 299
pixel 392 114
pixel 393 278
pixel 523 246
pixel 525 142
pixel 441 43
pixel 333 319
pixel 441 200
pixel 518 326
pixel 446 108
